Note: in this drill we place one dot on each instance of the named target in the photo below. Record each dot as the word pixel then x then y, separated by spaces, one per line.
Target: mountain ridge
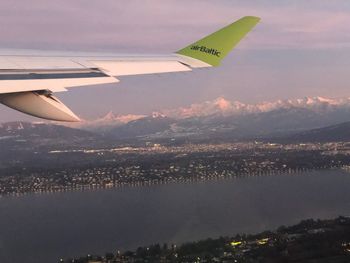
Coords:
pixel 333 133
pixel 219 106
pixel 219 119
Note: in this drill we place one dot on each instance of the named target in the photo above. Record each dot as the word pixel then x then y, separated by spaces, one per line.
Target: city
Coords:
pixel 157 164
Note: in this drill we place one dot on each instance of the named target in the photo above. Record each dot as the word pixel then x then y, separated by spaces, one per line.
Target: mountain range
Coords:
pixel 224 107
pixel 219 119
pixel 226 119
pixel 228 108
pixel 333 133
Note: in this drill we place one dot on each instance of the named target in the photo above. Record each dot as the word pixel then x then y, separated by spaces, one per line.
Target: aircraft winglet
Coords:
pixel 215 47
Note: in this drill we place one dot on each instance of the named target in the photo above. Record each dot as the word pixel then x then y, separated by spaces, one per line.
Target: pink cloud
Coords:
pixel 165 25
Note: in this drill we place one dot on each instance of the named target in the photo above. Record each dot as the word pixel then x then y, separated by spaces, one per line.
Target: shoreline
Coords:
pixel 192 179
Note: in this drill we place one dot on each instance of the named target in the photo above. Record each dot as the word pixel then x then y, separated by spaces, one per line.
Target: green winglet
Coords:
pixel 213 48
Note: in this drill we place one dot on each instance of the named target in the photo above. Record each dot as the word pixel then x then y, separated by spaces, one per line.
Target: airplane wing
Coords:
pixel 28 80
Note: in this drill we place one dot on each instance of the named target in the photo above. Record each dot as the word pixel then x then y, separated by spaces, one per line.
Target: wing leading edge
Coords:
pixel 27 80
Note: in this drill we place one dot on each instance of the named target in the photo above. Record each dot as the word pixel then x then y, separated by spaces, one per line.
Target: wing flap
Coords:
pixel 125 68
pixel 54 85
pixel 38 63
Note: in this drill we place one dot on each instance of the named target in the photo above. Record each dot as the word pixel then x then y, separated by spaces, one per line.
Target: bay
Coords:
pixel 47 227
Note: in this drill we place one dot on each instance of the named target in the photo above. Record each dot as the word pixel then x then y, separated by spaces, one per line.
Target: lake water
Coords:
pixel 44 228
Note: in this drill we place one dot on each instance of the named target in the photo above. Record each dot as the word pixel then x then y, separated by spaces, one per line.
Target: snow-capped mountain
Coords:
pixel 225 107
pixel 122 119
pixel 219 118
pixel 222 118
pixel 218 107
pixel 109 121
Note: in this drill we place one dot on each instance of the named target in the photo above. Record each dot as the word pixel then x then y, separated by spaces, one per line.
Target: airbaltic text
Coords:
pixel 204 49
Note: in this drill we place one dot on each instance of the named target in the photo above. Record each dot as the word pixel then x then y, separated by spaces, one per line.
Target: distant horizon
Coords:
pixel 219 102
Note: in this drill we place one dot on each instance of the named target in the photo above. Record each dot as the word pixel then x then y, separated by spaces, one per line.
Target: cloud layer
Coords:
pixel 165 25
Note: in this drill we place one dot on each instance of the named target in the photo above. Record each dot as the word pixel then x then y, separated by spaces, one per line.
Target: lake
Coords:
pixel 47 227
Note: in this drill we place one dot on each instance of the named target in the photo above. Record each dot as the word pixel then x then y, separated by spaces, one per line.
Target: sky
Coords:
pixel 300 48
